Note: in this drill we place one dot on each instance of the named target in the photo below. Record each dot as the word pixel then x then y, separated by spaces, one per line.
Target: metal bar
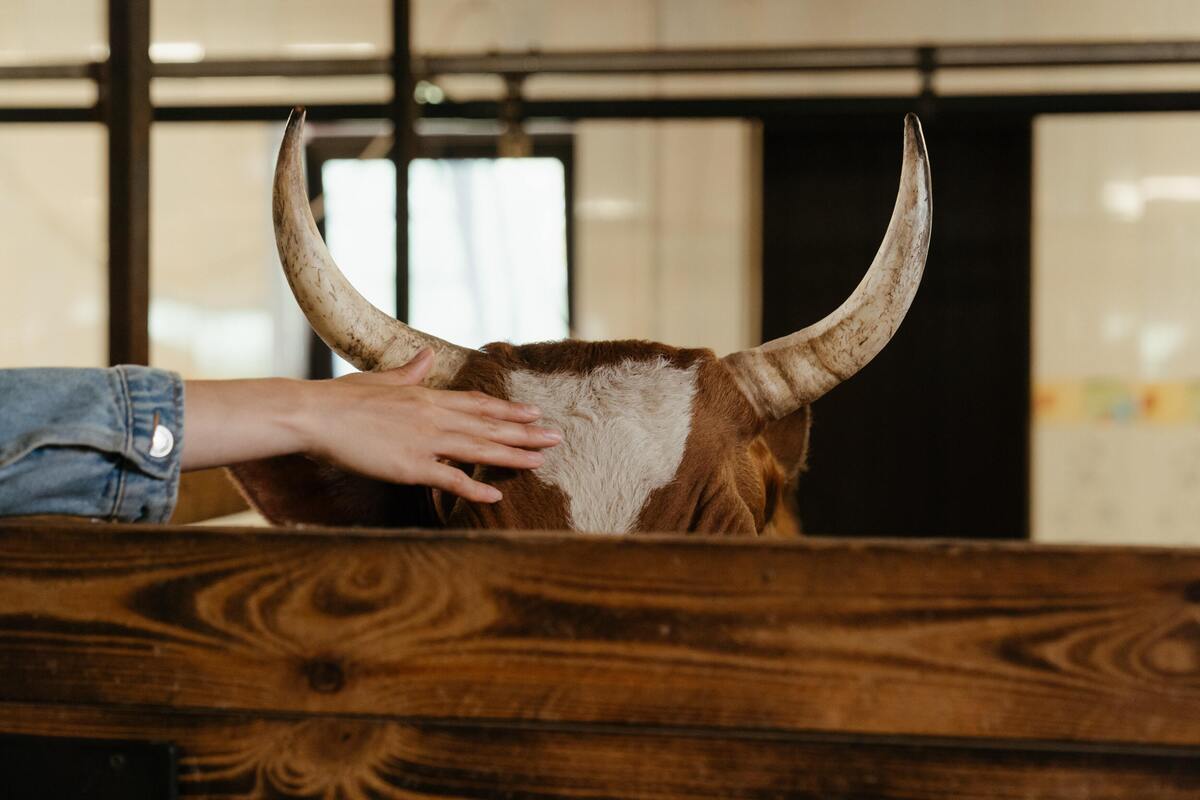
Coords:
pixel 126 102
pixel 668 61
pixel 651 108
pixel 212 68
pixel 53 72
pixel 740 107
pixel 274 68
pixel 402 112
pixel 606 62
pixel 269 112
pixel 51 114
pixel 609 62
pixel 602 62
pixel 794 59
pixel 1067 55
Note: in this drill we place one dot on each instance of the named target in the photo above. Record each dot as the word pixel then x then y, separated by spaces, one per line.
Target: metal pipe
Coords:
pixel 665 108
pixel 51 72
pixel 402 111
pixel 39 114
pixel 608 62
pixel 824 59
pixel 274 68
pixel 1096 54
pixel 815 107
pixel 268 112
pixel 125 98
pixel 670 61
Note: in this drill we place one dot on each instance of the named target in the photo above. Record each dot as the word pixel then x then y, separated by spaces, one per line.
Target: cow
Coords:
pixel 655 438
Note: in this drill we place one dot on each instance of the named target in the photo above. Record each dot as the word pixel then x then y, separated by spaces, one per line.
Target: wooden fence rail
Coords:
pixel 362 665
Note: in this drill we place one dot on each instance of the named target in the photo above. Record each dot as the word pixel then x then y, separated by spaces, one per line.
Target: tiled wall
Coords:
pixel 1116 438
pixel 668 233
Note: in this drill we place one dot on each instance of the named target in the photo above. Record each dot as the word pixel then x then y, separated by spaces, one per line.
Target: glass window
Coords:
pixel 489 254
pixel 220 307
pixel 53 31
pixel 188 30
pixel 488 251
pixel 359 200
pixel 48 93
pixel 53 245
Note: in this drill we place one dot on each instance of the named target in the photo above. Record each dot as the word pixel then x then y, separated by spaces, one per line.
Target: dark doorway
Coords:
pixel 931 438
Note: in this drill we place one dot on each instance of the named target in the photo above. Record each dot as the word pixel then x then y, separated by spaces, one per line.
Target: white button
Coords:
pixel 164 442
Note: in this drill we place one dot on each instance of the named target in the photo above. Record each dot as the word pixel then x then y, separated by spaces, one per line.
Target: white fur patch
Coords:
pixel 624 429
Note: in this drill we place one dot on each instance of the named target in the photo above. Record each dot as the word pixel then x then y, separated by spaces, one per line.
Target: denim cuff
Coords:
pixel 91 442
pixel 153 402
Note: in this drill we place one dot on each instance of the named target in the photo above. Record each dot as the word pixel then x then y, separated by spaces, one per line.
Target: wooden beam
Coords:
pixel 998 641
pixel 127 112
pixel 235 755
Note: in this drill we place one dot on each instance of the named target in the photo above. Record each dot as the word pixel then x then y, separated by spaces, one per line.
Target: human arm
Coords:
pixel 382 425
pixel 82 442
pixel 110 443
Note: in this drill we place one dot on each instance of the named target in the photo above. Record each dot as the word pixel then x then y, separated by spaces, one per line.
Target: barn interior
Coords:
pixel 705 173
pixel 708 174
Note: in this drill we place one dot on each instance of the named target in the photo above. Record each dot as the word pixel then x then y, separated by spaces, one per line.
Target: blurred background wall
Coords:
pixel 667 227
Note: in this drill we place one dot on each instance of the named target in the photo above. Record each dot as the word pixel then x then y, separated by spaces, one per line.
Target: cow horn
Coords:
pixel 784 374
pixel 347 322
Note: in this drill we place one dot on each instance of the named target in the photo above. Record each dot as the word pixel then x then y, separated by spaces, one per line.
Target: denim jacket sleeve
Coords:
pixel 91 442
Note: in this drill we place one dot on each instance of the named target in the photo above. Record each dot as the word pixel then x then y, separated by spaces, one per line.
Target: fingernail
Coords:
pixel 553 436
pixel 535 457
pixel 532 410
pixel 492 495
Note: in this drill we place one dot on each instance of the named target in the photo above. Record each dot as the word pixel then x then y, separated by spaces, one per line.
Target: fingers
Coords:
pixel 513 434
pixel 474 450
pixel 447 478
pixel 482 404
pixel 476 403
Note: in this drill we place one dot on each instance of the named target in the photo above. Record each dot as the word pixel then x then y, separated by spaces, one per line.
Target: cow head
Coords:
pixel 655 438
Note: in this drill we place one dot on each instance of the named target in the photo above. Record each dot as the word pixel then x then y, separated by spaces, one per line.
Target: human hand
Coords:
pixel 386 426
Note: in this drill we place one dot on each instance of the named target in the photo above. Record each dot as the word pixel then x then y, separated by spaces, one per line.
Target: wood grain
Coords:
pixel 1002 641
pixel 354 759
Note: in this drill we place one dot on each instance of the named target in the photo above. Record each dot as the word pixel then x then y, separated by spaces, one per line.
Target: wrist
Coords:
pixel 294 412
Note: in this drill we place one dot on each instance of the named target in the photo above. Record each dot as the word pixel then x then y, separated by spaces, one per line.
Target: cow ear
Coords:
pixel 788 439
pixel 298 490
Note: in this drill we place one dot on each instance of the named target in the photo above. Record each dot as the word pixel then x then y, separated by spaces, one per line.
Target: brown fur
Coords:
pixel 296 489
pixel 732 478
